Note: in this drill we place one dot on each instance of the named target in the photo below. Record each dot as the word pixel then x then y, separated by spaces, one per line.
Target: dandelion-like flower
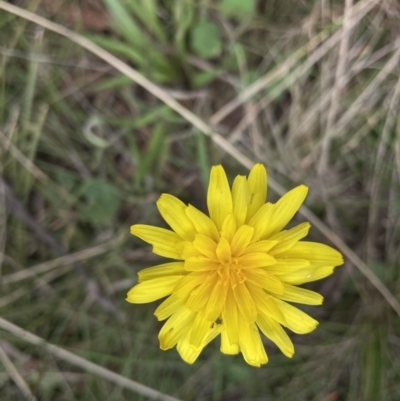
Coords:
pixel 235 270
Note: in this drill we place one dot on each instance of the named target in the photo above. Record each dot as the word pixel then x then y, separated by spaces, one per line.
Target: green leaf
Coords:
pixel 202 156
pixel 241 9
pixel 66 178
pixel 153 152
pixel 148 59
pixel 183 12
pixel 161 113
pixel 372 366
pixel 159 67
pixel 102 201
pixel 125 24
pixel 118 47
pixel 206 39
pixel 203 78
pixel 113 83
pixel 146 11
pixel 380 269
pixel 249 77
pixel 95 140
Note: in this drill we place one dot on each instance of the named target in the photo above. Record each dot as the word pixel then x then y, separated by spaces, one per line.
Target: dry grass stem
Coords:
pixel 16 376
pixel 22 159
pixel 337 88
pixel 356 13
pixel 84 363
pixel 63 261
pixel 367 94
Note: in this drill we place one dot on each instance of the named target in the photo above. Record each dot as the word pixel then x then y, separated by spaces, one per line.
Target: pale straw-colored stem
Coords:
pixel 337 88
pixel 355 14
pixel 84 363
pixel 16 376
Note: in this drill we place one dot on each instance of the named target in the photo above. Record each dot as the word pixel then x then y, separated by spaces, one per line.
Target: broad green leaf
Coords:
pixel 206 39
pixel 382 270
pixel 241 9
pixel 66 178
pixel 102 201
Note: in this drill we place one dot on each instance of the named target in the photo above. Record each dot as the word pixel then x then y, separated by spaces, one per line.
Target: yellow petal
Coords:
pixel 164 241
pixel 251 345
pixel 244 299
pixel 203 224
pixel 240 199
pixel 226 347
pixel 200 263
pixel 286 266
pixel 223 251
pixel 166 269
pixel 288 238
pixel 257 189
pixel 296 320
pixel 316 253
pixel 199 297
pixel 285 209
pixel 151 290
pixel 253 260
pixel 186 350
pixel 228 229
pixel 230 317
pixel 219 198
pixel 274 331
pixel 260 246
pixel 175 328
pixel 201 326
pixel 264 304
pixel 189 250
pixel 241 239
pixel 307 275
pixel 206 246
pixel 173 212
pixel 261 220
pixel 190 282
pixel 299 295
pixel 217 300
pixel 167 308
pixel 265 280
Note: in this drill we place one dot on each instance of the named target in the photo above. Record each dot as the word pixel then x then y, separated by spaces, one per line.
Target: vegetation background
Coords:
pixel 314 93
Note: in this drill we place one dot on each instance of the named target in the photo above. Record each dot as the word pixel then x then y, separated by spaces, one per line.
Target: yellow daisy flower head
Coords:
pixel 235 271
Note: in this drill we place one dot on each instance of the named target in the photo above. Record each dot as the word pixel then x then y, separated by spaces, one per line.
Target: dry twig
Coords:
pixel 84 363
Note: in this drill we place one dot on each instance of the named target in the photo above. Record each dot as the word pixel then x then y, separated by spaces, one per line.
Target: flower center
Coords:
pixel 229 271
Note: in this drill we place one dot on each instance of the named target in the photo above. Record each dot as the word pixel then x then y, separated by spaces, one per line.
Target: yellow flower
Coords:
pixel 235 269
